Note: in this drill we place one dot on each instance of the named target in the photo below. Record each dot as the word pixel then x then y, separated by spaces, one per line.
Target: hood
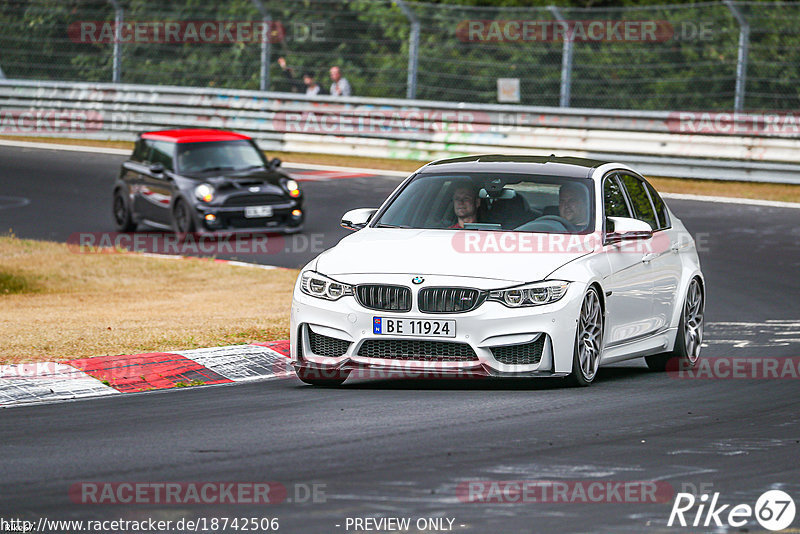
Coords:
pixel 513 257
pixel 241 179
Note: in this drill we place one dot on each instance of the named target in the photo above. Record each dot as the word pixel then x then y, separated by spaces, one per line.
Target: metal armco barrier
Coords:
pixel 761 148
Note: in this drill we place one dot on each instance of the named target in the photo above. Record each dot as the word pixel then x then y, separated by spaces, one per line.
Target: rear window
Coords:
pixel 660 207
pixel 614 198
pixel 640 200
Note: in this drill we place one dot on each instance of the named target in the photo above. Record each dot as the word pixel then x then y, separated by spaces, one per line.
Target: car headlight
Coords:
pixel 319 285
pixel 535 294
pixel 293 188
pixel 204 192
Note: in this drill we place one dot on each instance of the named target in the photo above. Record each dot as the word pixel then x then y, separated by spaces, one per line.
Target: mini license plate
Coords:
pixel 257 211
pixel 413 327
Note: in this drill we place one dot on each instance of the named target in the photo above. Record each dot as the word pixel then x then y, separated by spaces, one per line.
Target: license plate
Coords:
pixel 413 327
pixel 257 211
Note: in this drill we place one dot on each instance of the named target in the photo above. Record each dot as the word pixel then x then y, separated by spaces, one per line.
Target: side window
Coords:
pixel 161 153
pixel 614 199
pixel 640 200
pixel 139 151
pixel 661 209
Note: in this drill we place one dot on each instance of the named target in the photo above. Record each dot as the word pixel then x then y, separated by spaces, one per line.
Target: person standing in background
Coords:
pixel 290 83
pixel 340 85
pixel 312 87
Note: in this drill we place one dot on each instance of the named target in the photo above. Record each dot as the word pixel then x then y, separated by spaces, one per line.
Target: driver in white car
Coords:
pixel 573 204
pixel 465 205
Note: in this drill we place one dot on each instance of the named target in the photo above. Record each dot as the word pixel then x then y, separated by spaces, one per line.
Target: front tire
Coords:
pixel 182 219
pixel 321 378
pixel 123 221
pixel 686 352
pixel 588 340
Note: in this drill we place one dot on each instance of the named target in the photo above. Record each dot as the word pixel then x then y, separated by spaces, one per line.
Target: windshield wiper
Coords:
pixel 382 225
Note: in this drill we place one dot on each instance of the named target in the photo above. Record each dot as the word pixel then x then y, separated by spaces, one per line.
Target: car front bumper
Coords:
pixel 233 220
pixel 490 326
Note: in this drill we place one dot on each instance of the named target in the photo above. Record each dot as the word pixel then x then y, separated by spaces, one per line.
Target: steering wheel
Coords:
pixel 560 220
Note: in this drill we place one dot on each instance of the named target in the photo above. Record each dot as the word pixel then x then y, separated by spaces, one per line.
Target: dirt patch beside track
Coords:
pixel 61 304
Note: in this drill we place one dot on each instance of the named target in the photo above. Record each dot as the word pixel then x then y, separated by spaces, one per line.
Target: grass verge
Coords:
pixel 61 304
pixel 722 188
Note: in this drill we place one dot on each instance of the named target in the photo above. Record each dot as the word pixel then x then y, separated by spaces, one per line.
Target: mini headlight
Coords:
pixel 204 192
pixel 535 294
pixel 293 188
pixel 319 285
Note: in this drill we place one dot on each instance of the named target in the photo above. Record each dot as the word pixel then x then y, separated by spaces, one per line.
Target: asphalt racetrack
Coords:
pixel 381 448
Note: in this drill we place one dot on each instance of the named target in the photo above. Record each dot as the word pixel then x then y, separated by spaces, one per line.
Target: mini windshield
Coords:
pixel 499 202
pixel 218 156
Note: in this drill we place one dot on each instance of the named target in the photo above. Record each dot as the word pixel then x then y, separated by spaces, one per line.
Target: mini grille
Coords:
pixel 383 297
pixel 527 354
pixel 327 346
pixel 253 200
pixel 429 351
pixel 449 299
pixel 233 221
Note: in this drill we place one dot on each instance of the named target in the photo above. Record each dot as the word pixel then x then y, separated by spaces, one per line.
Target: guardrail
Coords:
pixel 680 144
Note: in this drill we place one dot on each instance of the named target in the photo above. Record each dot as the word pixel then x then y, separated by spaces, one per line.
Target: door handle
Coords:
pixel 650 256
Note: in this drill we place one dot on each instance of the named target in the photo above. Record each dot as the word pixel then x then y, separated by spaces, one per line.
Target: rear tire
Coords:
pixel 322 378
pixel 588 341
pixel 686 352
pixel 123 221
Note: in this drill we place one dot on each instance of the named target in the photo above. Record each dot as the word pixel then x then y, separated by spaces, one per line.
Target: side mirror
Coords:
pixel 274 163
pixel 625 228
pixel 357 219
pixel 157 168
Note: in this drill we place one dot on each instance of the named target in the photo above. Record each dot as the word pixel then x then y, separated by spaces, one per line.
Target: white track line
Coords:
pixel 72 148
pixel 382 172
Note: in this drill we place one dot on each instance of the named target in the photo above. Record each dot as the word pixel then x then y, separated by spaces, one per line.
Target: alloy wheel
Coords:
pixel 590 335
pixel 693 321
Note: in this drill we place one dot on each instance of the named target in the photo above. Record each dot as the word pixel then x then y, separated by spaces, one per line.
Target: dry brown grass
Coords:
pixel 69 141
pixel 782 192
pixel 61 305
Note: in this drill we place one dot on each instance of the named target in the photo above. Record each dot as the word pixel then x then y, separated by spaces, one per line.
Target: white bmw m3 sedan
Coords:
pixel 503 266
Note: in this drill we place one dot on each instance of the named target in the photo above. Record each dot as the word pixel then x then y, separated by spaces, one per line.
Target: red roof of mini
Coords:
pixel 193 135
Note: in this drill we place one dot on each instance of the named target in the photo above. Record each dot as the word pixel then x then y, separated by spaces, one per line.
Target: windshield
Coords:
pixel 218 156
pixel 499 202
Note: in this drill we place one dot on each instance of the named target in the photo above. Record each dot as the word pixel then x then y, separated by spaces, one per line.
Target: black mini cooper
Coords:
pixel 204 181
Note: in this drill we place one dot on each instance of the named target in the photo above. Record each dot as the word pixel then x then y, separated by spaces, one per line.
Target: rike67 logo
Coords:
pixel 774 510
